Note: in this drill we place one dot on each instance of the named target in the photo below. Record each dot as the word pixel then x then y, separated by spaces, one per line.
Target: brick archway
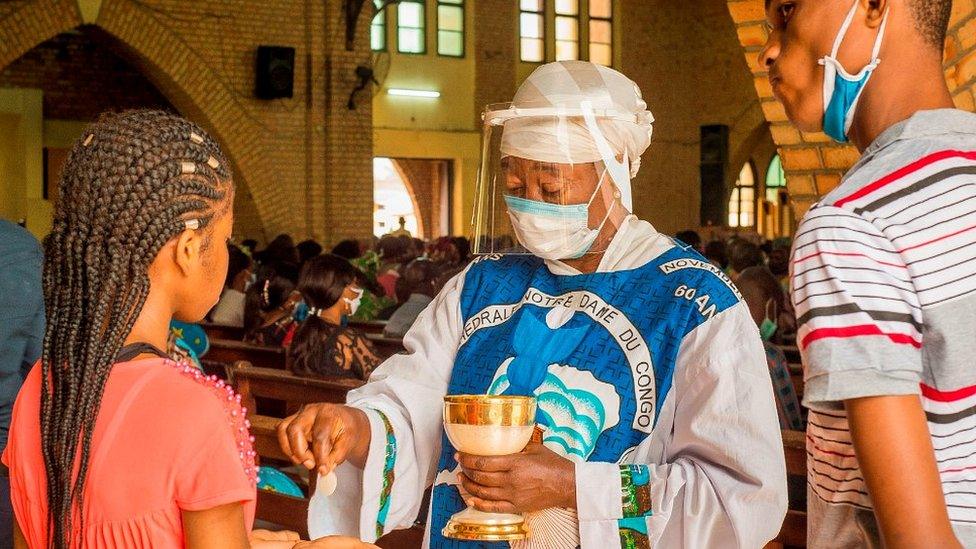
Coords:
pixel 813 163
pixel 411 174
pixel 176 69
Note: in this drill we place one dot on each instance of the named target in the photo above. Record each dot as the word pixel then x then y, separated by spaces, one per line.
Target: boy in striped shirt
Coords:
pixel 883 273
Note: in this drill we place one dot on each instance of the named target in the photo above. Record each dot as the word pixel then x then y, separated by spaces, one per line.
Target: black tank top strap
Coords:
pixel 133 350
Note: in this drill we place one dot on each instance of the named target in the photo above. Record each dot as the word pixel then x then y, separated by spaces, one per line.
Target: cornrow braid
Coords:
pixel 131 183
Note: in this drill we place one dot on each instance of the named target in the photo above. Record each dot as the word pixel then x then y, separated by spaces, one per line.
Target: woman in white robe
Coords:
pixel 656 410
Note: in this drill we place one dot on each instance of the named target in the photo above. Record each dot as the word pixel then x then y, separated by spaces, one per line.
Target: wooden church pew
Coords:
pixel 221 331
pixel 794 530
pixel 252 381
pixel 795 449
pixel 224 352
pixel 236 333
pixel 793 533
pixel 368 326
pixel 229 352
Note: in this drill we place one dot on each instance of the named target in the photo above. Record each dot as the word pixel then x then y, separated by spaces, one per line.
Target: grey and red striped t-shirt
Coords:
pixel 884 286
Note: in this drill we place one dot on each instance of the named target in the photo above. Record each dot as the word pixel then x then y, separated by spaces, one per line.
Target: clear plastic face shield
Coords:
pixel 554 182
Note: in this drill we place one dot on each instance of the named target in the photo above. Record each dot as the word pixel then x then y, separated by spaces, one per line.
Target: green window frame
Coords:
pixel 377 28
pixel 450 28
pixel 532 31
pixel 412 27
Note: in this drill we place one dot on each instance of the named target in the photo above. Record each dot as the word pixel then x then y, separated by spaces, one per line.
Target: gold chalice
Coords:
pixel 488 425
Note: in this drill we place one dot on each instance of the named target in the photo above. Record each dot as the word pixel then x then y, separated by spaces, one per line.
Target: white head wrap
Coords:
pixel 572 112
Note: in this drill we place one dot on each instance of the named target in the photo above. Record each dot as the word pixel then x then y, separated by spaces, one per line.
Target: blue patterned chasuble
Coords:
pixel 597 350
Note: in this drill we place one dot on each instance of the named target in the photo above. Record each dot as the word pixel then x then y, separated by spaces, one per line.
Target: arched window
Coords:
pixel 742 203
pixel 775 179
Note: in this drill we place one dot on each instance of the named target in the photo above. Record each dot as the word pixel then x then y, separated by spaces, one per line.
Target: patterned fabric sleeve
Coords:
pixel 634 485
pixel 389 462
pixel 617 497
pixel 636 491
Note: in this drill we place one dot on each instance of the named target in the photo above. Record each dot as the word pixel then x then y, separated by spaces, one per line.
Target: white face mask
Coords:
pixel 354 303
pixel 554 231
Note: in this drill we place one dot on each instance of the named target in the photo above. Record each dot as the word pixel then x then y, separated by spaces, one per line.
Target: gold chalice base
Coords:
pixel 485 532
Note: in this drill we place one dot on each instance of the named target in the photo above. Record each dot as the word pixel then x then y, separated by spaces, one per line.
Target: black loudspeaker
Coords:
pixel 275 72
pixel 714 161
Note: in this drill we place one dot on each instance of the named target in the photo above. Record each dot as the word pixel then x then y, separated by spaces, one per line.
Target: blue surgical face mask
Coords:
pixel 841 90
pixel 555 231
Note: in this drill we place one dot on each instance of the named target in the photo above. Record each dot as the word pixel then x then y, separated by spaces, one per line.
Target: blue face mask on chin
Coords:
pixel 841 90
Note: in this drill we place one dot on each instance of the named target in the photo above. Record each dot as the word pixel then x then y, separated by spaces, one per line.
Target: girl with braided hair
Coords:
pixel 113 443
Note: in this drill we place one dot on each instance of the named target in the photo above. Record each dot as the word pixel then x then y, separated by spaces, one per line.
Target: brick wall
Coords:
pixel 688 64
pixel 81 77
pixel 348 144
pixel 813 163
pixel 424 179
pixel 496 39
pixel 305 161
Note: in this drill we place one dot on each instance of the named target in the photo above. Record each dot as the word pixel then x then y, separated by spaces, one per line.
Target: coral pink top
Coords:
pixel 167 439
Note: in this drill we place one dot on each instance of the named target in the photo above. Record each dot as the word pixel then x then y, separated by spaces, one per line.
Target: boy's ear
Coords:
pixel 188 246
pixel 875 11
